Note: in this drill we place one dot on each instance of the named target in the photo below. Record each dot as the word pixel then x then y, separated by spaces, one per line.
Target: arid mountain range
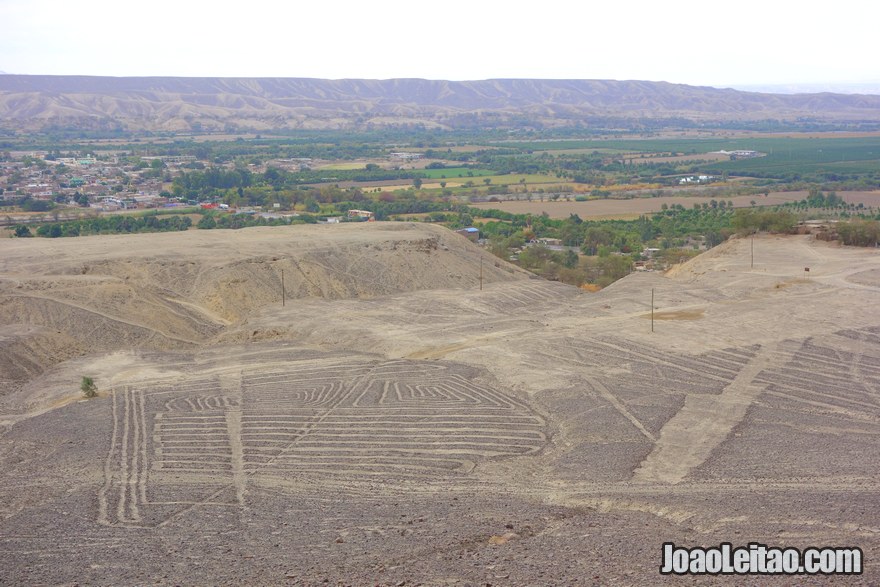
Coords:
pixel 33 103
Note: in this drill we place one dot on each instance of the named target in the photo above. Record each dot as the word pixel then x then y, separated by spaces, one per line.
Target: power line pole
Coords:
pixel 283 295
pixel 753 251
pixel 652 309
pixel 481 271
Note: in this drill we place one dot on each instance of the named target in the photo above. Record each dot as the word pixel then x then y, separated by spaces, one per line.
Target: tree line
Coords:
pixel 118 224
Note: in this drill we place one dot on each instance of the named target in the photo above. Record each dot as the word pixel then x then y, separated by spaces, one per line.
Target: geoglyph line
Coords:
pixel 703 423
pixel 103 500
pixel 620 407
pixel 394 421
pixel 124 490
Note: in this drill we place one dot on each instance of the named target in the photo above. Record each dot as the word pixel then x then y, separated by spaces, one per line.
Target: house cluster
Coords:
pixel 470 233
pixel 361 215
pixel 742 154
pixel 692 179
pixel 107 183
pixel 293 164
pixel 404 156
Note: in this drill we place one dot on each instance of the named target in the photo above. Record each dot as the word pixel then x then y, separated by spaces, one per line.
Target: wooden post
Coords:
pixel 652 309
pixel 481 271
pixel 753 251
pixel 283 294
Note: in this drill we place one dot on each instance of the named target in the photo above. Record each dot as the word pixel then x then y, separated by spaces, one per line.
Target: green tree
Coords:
pixel 50 231
pixel 22 231
pixel 87 387
pixel 595 237
pixel 312 205
pixel 861 233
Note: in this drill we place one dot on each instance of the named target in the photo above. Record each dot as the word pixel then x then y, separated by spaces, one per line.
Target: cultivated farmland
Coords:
pixel 606 208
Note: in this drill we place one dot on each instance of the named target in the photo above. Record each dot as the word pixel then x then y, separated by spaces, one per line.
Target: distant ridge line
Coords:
pixel 38 102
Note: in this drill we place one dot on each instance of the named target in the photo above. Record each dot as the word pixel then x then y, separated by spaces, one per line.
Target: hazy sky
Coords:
pixel 731 43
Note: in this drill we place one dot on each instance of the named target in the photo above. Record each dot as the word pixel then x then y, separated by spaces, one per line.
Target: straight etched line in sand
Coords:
pixel 125 463
pixel 129 477
pixel 123 459
pixel 855 370
pixel 106 316
pixel 135 481
pixel 144 462
pixel 309 427
pixel 232 387
pixel 689 437
pixel 603 391
pixel 234 433
pixel 103 504
pixel 239 480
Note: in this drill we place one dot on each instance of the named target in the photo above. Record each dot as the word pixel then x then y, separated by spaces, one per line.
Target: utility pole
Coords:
pixel 283 295
pixel 753 250
pixel 652 309
pixel 481 271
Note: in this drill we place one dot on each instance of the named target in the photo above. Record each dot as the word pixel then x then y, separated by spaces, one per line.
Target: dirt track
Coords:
pixel 393 423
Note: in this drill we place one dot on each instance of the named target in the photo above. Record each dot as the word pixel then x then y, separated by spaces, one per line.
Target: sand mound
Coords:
pixel 177 290
pixel 25 351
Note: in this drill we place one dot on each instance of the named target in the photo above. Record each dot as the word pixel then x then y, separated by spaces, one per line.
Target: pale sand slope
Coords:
pixel 178 290
pixel 380 440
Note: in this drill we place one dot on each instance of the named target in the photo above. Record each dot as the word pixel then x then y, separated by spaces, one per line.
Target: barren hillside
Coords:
pixel 164 291
pixel 185 104
pixel 394 424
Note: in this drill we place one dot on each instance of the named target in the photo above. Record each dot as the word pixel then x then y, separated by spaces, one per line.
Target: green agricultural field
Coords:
pixel 515 178
pixel 825 156
pixel 589 151
pixel 799 147
pixel 343 166
pixel 557 145
pixel 623 145
pixel 510 179
pixel 456 172
pixel 778 165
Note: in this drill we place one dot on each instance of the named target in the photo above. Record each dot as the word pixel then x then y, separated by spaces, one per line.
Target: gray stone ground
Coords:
pixel 525 434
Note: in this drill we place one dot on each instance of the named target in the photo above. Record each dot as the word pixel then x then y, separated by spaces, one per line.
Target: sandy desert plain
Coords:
pixel 394 424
